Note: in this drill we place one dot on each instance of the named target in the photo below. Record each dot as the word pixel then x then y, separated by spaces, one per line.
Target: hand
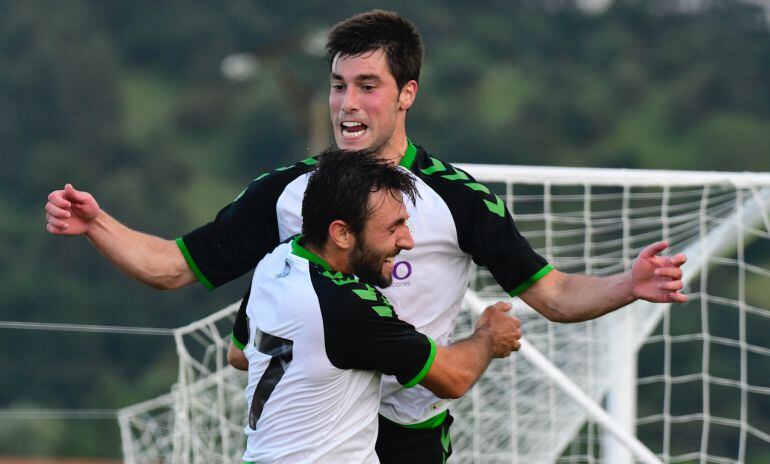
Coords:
pixel 70 211
pixel 658 278
pixel 503 330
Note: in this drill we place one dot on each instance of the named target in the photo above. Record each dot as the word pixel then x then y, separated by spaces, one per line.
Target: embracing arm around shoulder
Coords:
pixel 562 297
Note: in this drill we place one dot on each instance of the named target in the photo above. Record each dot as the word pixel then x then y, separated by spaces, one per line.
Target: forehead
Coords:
pixel 387 207
pixel 372 63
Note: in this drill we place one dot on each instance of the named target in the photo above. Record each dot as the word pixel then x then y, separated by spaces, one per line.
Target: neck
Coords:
pixel 394 149
pixel 335 258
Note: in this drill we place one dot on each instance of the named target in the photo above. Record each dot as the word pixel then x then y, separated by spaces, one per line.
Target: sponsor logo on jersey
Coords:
pixel 402 271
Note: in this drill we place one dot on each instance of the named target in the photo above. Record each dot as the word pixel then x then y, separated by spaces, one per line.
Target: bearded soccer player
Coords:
pixel 375 61
pixel 321 332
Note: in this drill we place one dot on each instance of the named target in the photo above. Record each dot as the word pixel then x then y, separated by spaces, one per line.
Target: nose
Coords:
pixel 405 240
pixel 349 102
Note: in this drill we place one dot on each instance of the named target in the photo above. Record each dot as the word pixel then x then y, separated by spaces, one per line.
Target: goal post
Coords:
pixel 596 221
pixel 648 383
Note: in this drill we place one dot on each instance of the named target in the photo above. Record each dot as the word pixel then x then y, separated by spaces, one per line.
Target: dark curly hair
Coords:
pixel 340 187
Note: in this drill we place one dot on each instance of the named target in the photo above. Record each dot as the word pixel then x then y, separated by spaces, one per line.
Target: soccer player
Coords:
pixel 320 332
pixel 375 61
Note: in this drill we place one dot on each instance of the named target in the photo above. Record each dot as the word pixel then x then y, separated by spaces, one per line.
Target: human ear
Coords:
pixel 407 95
pixel 339 234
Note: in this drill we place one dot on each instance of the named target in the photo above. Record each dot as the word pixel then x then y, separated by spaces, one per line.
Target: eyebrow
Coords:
pixel 360 77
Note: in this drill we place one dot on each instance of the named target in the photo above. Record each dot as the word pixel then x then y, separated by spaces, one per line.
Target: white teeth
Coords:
pixel 351 124
pixel 353 134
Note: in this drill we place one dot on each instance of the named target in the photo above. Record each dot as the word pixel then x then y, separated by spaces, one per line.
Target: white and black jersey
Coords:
pixel 456 220
pixel 319 340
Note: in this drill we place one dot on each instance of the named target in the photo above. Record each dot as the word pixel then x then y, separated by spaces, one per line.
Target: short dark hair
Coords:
pixel 340 187
pixel 370 31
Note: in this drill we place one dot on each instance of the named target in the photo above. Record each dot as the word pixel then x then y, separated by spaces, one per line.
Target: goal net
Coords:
pixel 691 382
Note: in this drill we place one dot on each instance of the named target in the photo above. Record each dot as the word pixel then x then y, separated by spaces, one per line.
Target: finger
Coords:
pixel 55 211
pixel 516 346
pixel 53 229
pixel 671 272
pixel 57 198
pixel 516 321
pixel 679 297
pixel 671 286
pixel 56 227
pixel 652 250
pixel 59 224
pixel 678 260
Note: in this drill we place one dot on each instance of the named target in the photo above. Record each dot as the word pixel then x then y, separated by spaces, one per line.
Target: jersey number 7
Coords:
pixel 280 352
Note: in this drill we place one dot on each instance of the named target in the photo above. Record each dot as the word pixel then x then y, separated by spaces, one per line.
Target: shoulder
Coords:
pixel 344 297
pixel 457 187
pixel 272 183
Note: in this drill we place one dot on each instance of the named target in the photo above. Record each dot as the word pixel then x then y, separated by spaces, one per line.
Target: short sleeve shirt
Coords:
pixel 318 341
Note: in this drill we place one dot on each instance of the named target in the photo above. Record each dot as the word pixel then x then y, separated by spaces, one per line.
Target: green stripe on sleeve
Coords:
pixel 528 283
pixel 191 263
pixel 236 342
pixel 425 368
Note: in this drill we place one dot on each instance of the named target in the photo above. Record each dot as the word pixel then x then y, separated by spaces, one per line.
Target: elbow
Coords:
pixel 170 271
pixel 562 317
pixel 237 360
pixel 163 284
pixel 165 278
pixel 159 285
pixel 555 315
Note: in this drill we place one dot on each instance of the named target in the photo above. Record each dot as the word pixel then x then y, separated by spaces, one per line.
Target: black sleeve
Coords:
pixel 485 228
pixel 242 233
pixel 240 335
pixel 362 331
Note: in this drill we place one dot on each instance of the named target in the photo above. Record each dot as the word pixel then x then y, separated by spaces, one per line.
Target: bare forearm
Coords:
pixel 578 297
pixel 152 260
pixel 457 367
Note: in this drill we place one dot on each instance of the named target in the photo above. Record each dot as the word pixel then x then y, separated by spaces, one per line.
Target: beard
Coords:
pixel 367 265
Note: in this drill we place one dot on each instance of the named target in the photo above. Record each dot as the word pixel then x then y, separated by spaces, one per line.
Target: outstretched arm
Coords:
pixel 457 367
pixel 564 297
pixel 151 260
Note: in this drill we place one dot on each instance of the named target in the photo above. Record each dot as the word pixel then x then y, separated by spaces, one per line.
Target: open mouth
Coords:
pixel 353 129
pixel 388 263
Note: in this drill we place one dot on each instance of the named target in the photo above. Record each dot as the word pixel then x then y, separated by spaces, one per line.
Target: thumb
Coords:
pixel 74 195
pixel 652 250
pixel 502 306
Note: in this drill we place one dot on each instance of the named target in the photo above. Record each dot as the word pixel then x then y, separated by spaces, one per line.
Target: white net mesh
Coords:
pixel 703 389
pixel 714 342
pixel 147 430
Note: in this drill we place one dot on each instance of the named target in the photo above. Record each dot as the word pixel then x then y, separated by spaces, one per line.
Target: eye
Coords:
pixel 338 87
pixel 368 87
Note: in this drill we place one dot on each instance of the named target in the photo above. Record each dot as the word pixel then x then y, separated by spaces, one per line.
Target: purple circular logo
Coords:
pixel 402 270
